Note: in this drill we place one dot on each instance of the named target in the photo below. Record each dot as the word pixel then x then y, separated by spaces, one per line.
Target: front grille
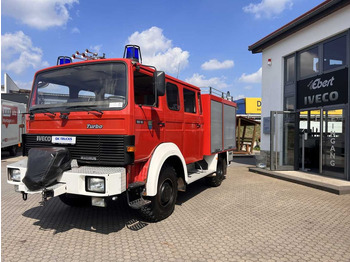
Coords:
pixel 103 150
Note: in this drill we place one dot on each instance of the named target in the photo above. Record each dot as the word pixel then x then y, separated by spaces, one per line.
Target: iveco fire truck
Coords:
pixel 99 128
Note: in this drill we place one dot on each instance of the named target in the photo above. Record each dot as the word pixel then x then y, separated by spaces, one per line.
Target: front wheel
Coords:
pixel 163 204
pixel 221 170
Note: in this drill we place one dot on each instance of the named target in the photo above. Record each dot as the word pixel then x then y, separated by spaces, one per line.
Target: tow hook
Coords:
pixel 24 196
pixel 45 194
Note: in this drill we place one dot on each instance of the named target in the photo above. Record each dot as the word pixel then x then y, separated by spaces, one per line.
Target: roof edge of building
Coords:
pixel 322 10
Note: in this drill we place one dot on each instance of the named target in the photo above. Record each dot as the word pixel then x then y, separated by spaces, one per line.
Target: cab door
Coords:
pixel 149 117
pixel 193 127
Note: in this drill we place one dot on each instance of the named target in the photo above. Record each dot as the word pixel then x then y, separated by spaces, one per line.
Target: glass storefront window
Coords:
pixel 289 103
pixel 290 69
pixel 334 53
pixel 309 62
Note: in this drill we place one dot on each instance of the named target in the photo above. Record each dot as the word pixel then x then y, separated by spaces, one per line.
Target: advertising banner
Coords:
pixel 253 105
pixel 9 115
pixel 323 90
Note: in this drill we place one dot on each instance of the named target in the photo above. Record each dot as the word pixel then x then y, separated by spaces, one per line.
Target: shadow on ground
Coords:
pixel 55 215
pixel 245 160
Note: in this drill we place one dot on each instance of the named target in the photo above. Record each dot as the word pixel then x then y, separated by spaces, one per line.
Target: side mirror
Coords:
pixel 159 82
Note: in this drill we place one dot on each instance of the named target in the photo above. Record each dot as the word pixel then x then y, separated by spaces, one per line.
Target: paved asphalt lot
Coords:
pixel 250 217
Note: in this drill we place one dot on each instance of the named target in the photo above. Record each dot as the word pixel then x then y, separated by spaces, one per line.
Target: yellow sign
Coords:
pixel 330 112
pixel 253 105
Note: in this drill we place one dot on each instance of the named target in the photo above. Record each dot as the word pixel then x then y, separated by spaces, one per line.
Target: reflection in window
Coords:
pixel 172 97
pixel 309 62
pixel 290 69
pixel 190 101
pixel 289 103
pixel 49 93
pixel 143 88
pixel 334 53
pixel 86 96
pixel 199 103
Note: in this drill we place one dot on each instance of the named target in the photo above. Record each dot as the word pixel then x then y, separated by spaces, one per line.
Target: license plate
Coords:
pixel 63 140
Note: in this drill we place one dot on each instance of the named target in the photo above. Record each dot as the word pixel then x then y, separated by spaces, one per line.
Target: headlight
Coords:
pixel 95 184
pixel 14 175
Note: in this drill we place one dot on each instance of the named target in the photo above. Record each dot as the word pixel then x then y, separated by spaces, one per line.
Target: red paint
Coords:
pixel 9 115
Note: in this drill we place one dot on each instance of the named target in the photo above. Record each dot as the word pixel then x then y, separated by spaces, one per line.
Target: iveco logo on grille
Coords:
pixel 89 126
pixel 43 138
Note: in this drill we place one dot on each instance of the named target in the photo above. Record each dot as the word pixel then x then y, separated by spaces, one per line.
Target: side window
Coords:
pixel 189 101
pixel 334 53
pixel 143 89
pixel 308 62
pixel 172 97
pixel 199 103
pixel 289 69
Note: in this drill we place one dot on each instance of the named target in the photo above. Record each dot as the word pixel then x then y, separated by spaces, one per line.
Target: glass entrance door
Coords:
pixel 322 142
pixel 333 144
pixel 282 131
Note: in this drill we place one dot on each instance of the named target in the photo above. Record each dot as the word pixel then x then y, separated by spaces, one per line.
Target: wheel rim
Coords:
pixel 166 192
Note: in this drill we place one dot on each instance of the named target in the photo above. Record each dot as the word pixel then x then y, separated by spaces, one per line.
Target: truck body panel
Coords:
pixel 12 123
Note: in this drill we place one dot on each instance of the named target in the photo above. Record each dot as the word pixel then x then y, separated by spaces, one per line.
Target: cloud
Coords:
pixel 214 64
pixel 200 81
pixel 253 78
pixel 40 14
pixel 95 49
pixel 248 87
pixel 24 85
pixel 18 53
pixel 159 51
pixel 268 8
pixel 75 30
pixel 238 97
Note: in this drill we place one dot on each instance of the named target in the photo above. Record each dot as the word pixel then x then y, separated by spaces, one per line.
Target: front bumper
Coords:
pixel 74 181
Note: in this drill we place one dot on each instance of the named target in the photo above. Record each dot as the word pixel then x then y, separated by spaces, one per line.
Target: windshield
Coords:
pixel 101 85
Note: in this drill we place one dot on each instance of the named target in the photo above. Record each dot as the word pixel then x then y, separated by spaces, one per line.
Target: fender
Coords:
pixel 160 155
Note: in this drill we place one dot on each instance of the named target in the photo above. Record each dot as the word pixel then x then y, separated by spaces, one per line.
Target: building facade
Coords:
pixel 305 92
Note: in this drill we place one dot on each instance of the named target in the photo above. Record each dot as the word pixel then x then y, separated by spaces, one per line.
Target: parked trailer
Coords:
pixel 105 127
pixel 12 125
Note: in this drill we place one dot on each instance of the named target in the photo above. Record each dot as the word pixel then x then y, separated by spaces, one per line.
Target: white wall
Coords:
pixel 9 84
pixel 272 76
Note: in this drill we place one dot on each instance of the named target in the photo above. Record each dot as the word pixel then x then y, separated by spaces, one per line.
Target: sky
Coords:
pixel 203 42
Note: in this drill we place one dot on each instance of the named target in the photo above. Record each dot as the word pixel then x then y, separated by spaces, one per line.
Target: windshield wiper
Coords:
pixel 45 111
pixel 89 109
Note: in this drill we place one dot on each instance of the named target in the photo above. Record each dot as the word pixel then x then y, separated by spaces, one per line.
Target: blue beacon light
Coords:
pixel 64 60
pixel 133 52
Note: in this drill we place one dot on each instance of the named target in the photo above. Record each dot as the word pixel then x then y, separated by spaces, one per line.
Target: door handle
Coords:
pixel 161 124
pixel 198 125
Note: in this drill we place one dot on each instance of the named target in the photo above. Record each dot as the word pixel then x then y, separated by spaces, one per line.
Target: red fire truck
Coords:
pixel 99 128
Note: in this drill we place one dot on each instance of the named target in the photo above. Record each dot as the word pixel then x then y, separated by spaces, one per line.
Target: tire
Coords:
pixel 13 150
pixel 221 169
pixel 163 204
pixel 75 200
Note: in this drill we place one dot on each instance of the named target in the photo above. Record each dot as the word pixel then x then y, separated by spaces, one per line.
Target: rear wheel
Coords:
pixel 163 204
pixel 75 200
pixel 221 170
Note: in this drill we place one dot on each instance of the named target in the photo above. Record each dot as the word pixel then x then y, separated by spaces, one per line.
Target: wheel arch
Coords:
pixel 166 153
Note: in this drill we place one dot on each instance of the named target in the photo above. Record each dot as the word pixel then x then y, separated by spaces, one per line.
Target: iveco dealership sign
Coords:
pixel 323 90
